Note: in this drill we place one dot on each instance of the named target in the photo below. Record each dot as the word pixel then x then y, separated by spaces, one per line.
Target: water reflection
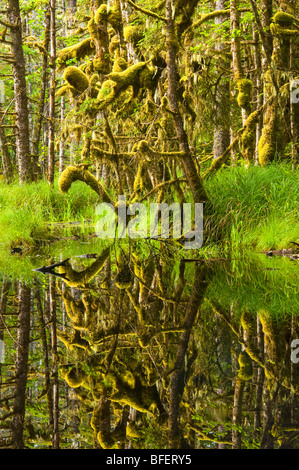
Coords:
pixel 134 348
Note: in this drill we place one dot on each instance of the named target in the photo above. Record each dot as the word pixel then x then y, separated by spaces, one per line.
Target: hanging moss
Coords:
pixel 77 51
pixel 107 93
pixel 62 91
pixel 134 431
pixel 127 77
pixel 114 47
pixel 115 16
pixel 248 322
pixel 74 377
pixel 268 140
pixel 124 278
pixel 101 14
pixel 246 371
pixel 146 78
pixel 76 78
pixel 119 82
pixel 119 65
pixel 283 19
pixel 248 136
pixel 133 34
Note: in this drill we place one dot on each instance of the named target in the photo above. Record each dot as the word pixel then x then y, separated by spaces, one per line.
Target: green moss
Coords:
pixel 283 19
pixel 266 145
pixel 146 78
pixel 101 14
pixel 246 371
pixel 76 78
pixel 133 34
pixel 119 82
pixel 79 173
pixel 127 77
pixel 124 278
pixel 62 91
pixel 100 65
pixel 107 92
pixel 119 65
pixel 114 46
pixel 244 97
pixel 248 322
pixel 81 279
pixel 77 51
pixel 115 16
pixel 143 147
pixel 248 136
pixel 73 377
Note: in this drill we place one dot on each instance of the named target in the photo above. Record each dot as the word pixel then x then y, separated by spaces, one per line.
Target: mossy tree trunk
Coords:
pixel 177 379
pixel 51 149
pixel 20 91
pixel 222 98
pixel 37 131
pixel 278 123
pixel 55 379
pixel 194 179
pixel 6 160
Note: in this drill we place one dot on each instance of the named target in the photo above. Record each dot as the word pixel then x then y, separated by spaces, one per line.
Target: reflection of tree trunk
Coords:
pixel 42 329
pixel 3 305
pixel 55 364
pixel 21 368
pixel 259 380
pixel 237 413
pixel 178 375
pixel 267 441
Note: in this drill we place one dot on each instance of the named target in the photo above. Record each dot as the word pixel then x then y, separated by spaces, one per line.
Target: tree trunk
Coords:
pixel 20 90
pixel 51 149
pixel 6 161
pixel 222 99
pixel 194 179
pixel 40 113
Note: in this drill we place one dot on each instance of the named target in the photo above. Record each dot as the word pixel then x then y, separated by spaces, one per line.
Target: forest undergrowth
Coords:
pixel 253 209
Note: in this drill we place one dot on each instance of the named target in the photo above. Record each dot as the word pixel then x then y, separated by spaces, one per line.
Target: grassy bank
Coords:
pixel 255 209
pixel 26 211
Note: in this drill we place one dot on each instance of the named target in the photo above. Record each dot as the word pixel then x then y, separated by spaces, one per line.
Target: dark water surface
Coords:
pixel 138 347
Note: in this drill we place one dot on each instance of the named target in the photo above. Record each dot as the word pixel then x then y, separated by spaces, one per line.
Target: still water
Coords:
pixel 141 347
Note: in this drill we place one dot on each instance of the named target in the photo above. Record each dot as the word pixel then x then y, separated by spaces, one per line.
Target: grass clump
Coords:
pixel 26 211
pixel 253 208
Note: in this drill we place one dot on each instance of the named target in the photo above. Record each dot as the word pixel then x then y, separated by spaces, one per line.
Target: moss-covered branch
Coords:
pixel 80 173
pixel 146 12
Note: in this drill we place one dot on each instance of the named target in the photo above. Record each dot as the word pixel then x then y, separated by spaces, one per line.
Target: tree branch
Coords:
pixel 146 12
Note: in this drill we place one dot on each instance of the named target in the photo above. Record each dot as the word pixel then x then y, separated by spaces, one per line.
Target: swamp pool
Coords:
pixel 140 347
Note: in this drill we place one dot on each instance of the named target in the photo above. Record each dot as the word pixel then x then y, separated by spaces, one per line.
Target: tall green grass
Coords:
pixel 255 208
pixel 26 211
